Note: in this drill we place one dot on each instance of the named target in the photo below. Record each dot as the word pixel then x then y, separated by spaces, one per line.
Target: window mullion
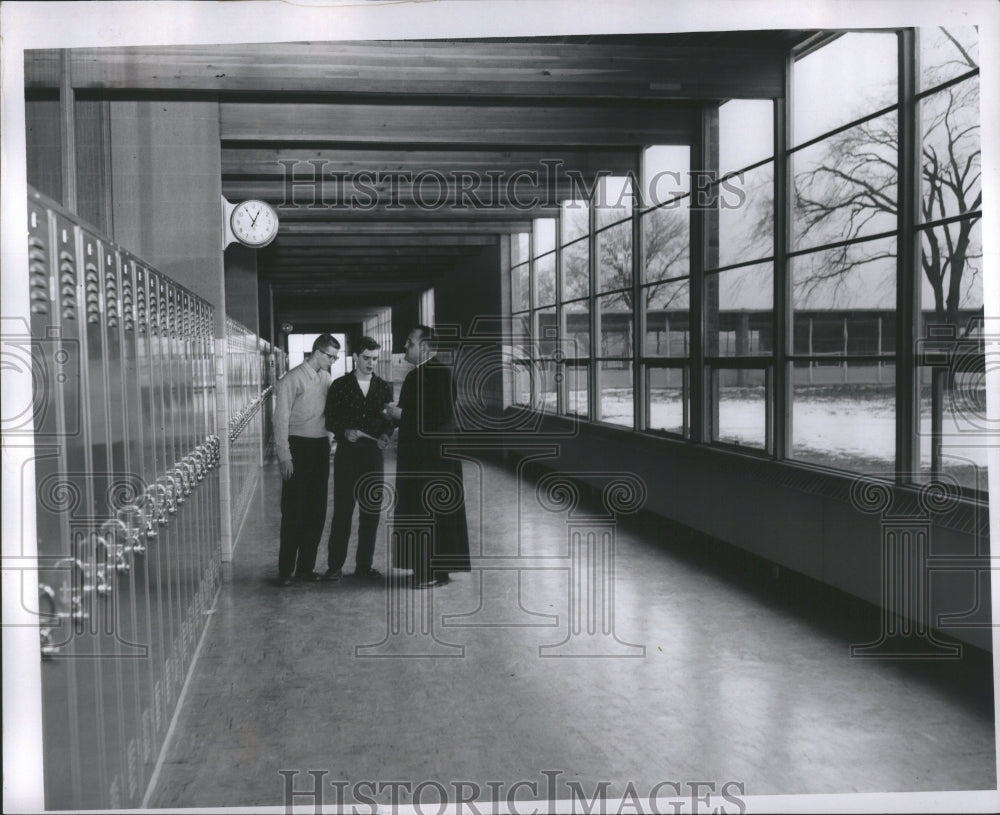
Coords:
pixel 560 380
pixel 638 307
pixel 907 262
pixel 782 317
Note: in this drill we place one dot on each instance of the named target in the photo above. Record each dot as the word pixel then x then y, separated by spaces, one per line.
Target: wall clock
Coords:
pixel 253 223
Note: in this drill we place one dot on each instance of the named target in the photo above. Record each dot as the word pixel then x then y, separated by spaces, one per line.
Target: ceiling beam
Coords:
pixel 308 163
pixel 402 227
pixel 511 69
pixel 374 250
pixel 432 197
pixel 366 241
pixel 515 125
pixel 389 274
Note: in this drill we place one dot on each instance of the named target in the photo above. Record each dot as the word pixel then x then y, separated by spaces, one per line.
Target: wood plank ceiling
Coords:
pixel 392 161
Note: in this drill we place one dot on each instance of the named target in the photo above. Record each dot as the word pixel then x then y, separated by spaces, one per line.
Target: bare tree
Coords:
pixel 851 190
pixel 665 233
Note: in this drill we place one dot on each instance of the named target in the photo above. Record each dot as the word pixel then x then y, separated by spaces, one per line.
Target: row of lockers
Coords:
pixel 128 521
pixel 249 387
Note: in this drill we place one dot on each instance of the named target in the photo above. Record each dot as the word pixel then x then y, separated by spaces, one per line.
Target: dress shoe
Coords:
pixel 368 574
pixel 332 575
pixel 428 584
pixel 285 581
pixel 307 577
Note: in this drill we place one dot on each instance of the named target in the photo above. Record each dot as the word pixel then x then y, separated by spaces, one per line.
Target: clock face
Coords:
pixel 254 223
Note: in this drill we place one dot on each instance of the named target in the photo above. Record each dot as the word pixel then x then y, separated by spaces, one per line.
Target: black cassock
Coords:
pixel 430 496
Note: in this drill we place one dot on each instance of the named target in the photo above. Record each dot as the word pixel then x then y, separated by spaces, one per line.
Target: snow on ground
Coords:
pixel 848 431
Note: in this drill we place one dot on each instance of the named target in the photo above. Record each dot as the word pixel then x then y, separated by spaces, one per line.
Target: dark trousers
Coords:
pixel 303 505
pixel 353 461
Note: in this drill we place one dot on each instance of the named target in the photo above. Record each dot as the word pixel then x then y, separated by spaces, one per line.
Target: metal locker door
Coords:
pixel 163 406
pixel 109 556
pixel 136 518
pixel 188 464
pixel 154 504
pixel 214 543
pixel 55 369
pixel 194 460
pixel 178 423
pixel 203 431
pixel 200 431
pixel 82 565
pixel 124 487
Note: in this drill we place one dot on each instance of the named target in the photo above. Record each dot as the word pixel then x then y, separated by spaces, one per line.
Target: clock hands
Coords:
pixel 244 222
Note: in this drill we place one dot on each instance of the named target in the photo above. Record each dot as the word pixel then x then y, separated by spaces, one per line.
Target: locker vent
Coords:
pixel 128 302
pixel 111 293
pixel 154 310
pixel 140 306
pixel 92 292
pixel 67 285
pixel 164 323
pixel 38 276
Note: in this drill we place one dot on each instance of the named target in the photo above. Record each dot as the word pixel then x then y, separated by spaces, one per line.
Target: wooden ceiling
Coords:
pixel 390 162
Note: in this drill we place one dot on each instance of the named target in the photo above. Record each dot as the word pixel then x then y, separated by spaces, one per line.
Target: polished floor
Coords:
pixel 708 674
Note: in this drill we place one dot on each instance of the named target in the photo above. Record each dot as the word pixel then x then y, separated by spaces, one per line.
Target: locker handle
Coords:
pixel 198 461
pixel 190 471
pixel 120 536
pixel 169 496
pixel 133 531
pixel 155 496
pixel 111 554
pixel 47 620
pixel 102 585
pixel 181 479
pixel 75 591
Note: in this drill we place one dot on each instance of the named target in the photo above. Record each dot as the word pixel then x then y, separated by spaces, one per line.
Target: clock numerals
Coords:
pixel 254 223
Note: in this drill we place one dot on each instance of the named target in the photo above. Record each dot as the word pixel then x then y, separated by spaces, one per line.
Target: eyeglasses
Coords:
pixel 327 353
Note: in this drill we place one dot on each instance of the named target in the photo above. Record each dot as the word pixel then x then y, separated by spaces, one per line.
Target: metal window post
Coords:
pixel 907 263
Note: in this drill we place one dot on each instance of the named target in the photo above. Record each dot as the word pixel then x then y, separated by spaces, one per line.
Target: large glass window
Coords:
pixel 842 276
pixel 520 287
pixel 667 307
pixel 746 133
pixel 739 311
pixel 842 301
pixel 951 372
pixel 615 313
pixel 741 400
pixel 628 347
pixel 845 185
pixel 946 53
pixel 668 400
pixel 746 223
pixel 853 75
pixel 616 392
pixel 665 290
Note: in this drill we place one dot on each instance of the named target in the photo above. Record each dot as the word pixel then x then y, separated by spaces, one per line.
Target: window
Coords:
pixel 951 365
pixel 575 307
pixel 633 351
pixel 843 269
pixel 845 185
pixel 865 67
pixel 665 290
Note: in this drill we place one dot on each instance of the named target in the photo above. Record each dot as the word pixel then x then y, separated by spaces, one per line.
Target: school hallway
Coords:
pixel 725 674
